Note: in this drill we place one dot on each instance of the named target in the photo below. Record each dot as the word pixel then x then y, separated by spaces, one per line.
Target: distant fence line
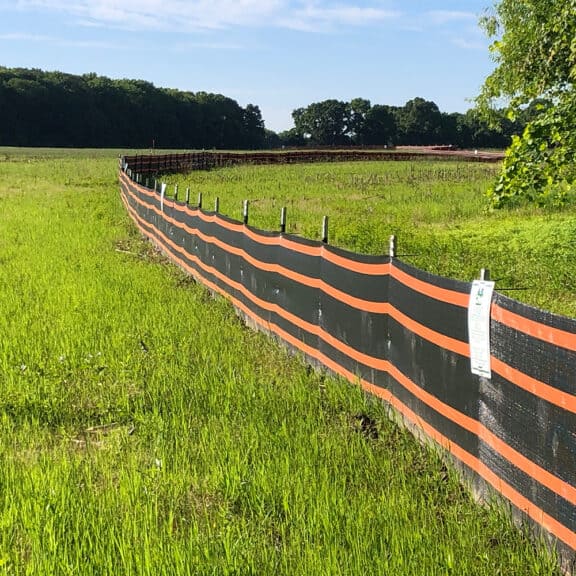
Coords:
pixel 147 164
pixel 403 334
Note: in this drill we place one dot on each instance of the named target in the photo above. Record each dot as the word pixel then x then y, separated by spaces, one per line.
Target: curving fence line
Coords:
pixel 403 335
pixel 147 164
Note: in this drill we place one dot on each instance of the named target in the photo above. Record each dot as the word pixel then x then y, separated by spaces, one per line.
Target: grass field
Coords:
pixel 437 210
pixel 144 430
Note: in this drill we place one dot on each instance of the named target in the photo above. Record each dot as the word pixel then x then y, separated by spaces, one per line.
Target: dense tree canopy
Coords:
pixel 418 123
pixel 326 122
pixel 379 127
pixel 534 47
pixel 55 109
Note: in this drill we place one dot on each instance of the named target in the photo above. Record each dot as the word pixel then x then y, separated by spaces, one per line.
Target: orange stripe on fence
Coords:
pixel 535 387
pixel 343 262
pixel 446 342
pixel 441 294
pixel 520 501
pixel 530 468
pixel 359 303
pixel 313 329
pixel 554 336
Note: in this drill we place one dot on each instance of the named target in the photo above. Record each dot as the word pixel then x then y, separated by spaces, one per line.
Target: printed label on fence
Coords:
pixel 162 194
pixel 479 327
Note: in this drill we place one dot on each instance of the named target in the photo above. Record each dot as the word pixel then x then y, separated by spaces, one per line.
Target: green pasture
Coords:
pixel 437 210
pixel 145 431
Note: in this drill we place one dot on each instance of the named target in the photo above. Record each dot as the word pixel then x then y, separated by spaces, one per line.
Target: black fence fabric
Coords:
pixel 151 164
pixel 402 334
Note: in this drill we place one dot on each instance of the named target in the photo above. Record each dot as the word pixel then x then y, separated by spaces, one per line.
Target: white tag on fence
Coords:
pixel 479 327
pixel 162 194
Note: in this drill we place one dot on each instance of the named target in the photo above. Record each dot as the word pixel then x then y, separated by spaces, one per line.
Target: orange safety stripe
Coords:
pixel 442 294
pixel 530 468
pixel 360 267
pixel 352 301
pixel 554 336
pixel 446 342
pixel 511 494
pixel 535 387
pixel 560 338
pixel 313 329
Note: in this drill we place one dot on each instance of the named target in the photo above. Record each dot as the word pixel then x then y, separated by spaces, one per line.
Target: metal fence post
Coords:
pixel 325 230
pixel 245 212
pixel 392 247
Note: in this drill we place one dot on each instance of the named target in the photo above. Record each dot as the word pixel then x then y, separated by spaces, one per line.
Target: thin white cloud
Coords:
pixel 317 18
pixel 39 38
pixel 186 15
pixel 24 37
pixel 94 44
pixel 190 46
pixel 468 37
pixel 440 17
pixel 161 14
pixel 441 20
pixel 467 44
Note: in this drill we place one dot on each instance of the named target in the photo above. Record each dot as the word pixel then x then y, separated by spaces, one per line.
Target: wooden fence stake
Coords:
pixel 392 247
pixel 245 212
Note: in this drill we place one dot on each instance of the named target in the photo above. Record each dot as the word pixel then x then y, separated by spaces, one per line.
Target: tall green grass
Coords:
pixel 144 430
pixel 437 210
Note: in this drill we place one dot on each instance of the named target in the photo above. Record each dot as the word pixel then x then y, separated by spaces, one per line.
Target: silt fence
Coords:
pixel 154 164
pixel 404 335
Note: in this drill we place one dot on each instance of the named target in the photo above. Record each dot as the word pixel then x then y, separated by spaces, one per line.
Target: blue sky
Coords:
pixel 278 54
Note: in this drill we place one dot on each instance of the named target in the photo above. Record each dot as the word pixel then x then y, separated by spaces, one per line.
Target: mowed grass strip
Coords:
pixel 437 210
pixel 145 431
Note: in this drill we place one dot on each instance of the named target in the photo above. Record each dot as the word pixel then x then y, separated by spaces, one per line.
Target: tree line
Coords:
pixel 418 123
pixel 40 108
